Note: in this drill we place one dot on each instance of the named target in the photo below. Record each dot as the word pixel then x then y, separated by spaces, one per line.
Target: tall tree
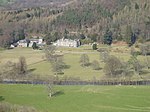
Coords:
pixel 108 37
pixel 56 60
pixel 22 66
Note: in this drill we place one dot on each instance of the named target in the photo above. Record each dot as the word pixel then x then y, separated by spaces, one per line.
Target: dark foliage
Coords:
pixel 108 37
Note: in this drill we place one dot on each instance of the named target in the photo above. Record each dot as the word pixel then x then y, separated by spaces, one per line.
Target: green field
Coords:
pixel 35 61
pixel 74 98
pixel 80 98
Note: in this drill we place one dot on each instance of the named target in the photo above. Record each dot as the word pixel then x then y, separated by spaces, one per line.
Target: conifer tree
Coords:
pixel 108 37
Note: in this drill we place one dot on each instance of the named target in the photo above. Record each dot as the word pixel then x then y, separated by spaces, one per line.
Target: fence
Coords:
pixel 68 82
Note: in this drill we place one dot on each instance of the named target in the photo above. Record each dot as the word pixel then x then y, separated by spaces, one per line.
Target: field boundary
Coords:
pixel 68 82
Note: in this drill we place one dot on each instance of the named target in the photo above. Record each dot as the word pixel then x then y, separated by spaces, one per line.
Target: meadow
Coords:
pixel 36 60
pixel 79 98
pixel 73 98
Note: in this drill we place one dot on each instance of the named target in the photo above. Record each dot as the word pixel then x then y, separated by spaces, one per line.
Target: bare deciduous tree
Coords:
pixel 21 66
pixel 84 60
pixel 104 55
pixel 56 60
pixel 50 89
pixel 49 52
pixel 135 64
pixel 112 66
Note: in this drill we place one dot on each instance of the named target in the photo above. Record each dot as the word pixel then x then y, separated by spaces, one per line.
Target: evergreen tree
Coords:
pixel 94 46
pixel 34 46
pixel 66 32
pixel 128 35
pixel 21 34
pixel 133 38
pixel 136 6
pixel 108 37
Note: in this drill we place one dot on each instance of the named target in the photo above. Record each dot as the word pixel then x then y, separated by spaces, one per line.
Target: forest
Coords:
pixel 123 20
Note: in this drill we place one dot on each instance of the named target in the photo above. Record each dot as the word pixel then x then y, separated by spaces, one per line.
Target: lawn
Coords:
pixel 80 98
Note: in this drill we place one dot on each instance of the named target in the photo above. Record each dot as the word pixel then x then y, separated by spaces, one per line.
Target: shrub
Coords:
pixel 94 46
pixel 34 46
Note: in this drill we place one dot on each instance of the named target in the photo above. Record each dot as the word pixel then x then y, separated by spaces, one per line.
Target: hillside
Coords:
pixel 5 2
pixel 20 4
pixel 88 13
pixel 89 17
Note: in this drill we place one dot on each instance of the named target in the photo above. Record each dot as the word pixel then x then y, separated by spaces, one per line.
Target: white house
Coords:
pixel 67 43
pixel 23 43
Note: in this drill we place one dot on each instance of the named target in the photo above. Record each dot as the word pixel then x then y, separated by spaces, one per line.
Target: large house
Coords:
pixel 23 43
pixel 67 43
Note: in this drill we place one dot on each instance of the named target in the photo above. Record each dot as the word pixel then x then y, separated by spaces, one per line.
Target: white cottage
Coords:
pixel 67 43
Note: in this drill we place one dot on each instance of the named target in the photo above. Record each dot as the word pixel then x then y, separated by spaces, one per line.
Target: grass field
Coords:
pixel 35 61
pixel 80 98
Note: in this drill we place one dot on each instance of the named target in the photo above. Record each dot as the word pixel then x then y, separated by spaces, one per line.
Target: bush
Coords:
pixel 34 46
pixel 94 46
